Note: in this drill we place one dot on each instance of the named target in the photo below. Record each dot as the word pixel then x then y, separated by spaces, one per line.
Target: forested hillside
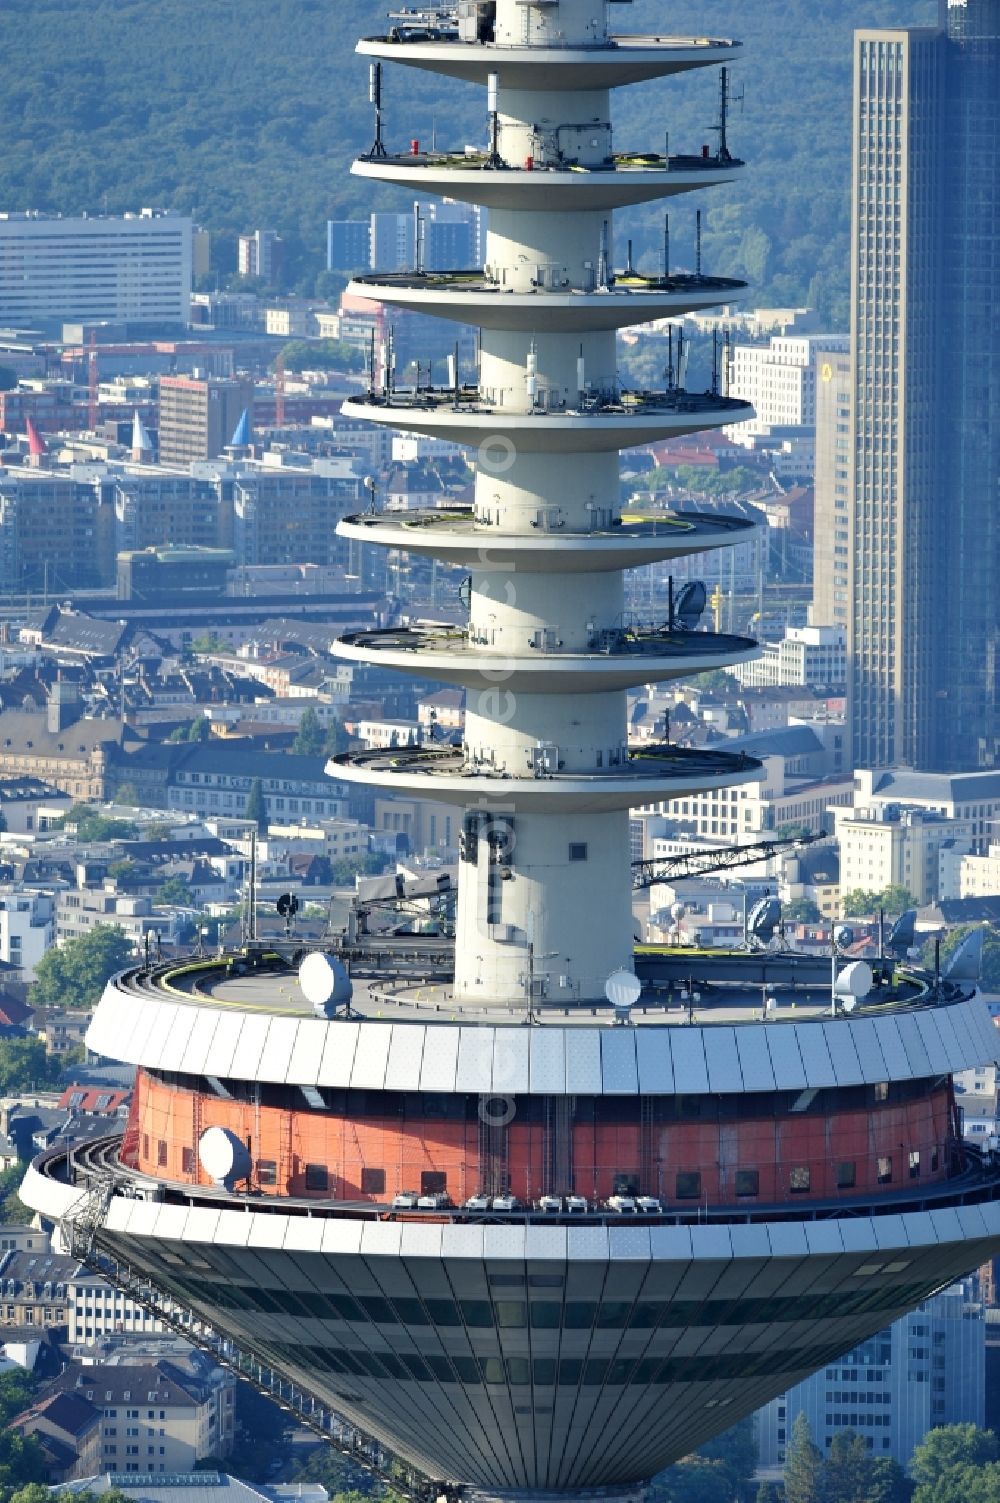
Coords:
pixel 247 112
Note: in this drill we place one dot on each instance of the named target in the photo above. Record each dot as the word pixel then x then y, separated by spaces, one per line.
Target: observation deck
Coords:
pixel 606 64
pixel 530 661
pixel 596 422
pixel 453 534
pixel 623 179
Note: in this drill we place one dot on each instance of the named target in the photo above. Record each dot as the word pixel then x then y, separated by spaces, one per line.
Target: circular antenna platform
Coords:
pixel 324 982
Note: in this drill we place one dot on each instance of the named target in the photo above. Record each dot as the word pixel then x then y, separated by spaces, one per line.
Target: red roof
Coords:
pixel 100 1100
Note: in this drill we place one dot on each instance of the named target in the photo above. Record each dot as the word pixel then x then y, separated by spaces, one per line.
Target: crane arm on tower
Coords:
pixel 723 858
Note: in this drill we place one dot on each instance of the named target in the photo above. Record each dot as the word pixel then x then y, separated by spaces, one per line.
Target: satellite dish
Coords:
pixel 843 936
pixel 763 918
pixel 622 990
pixel 855 980
pixel 223 1156
pixel 325 983
pixel 287 905
pixel 690 605
pixel 465 591
pixel 903 933
pixel 966 963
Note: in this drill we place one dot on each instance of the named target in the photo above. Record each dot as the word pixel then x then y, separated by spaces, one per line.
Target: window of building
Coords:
pixel 161 1153
pixel 747 1182
pixel 688 1185
pixel 187 1161
pixel 433 1183
pixel 317 1177
pixel 578 850
pixel 799 1179
pixel 884 1171
pixel 846 1176
pixel 373 1181
pixel 914 1163
pixel 267 1172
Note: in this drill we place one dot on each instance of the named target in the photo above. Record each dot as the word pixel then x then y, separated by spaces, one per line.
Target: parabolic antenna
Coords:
pixel 224 1156
pixel 855 980
pixel 843 936
pixel 324 982
pixel 622 990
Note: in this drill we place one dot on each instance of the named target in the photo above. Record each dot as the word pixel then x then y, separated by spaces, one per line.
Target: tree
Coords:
pixel 857 902
pixel 337 740
pixel 801 911
pixel 256 809
pixel 91 826
pixel 75 974
pixel 128 794
pixel 21 1462
pixel 895 899
pixel 23 1063
pixel 200 728
pixel 946 1448
pixel 309 739
pixel 803 1465
pixel 846 1472
pixel 888 1482
pixel 175 891
pixel 991 952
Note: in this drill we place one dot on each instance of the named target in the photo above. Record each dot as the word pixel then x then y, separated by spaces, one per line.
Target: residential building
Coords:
pixel 156 1416
pixel 925 1370
pixel 892 845
pixel 50 531
pixel 27 927
pixel 779 379
pixel 923 625
pixel 831 505
pixel 290 516
pixel 261 254
pixel 25 804
pixel 34 1287
pixel 978 876
pixel 81 909
pixel 67 1429
pixel 198 417
pixel 133 269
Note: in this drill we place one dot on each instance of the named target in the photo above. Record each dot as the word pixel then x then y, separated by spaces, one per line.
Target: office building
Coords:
pixel 135 269
pixel 926 1370
pixel 891 845
pixel 488 1204
pixel 779 380
pixel 831 505
pixel 924 628
pixel 198 417
pixel 804 655
pixel 348 245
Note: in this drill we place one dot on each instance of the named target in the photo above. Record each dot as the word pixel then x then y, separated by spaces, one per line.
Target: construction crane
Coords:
pixel 92 386
pixel 279 391
pixel 724 858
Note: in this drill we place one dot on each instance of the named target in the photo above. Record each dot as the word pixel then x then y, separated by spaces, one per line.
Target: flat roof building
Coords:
pixel 133 268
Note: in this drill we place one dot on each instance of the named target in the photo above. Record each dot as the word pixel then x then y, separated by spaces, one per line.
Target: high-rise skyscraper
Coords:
pixel 924 626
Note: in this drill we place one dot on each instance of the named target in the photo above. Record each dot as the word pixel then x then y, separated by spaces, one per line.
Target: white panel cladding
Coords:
pixel 144 1025
pixel 303 1067
pixel 654 1057
pixel 583 1062
pixel 755 1058
pixel 815 1054
pixel 371 1056
pixel 787 1238
pixel 913 1043
pixel 782 1041
pixel 723 1061
pixel 338 1054
pixel 510 1060
pixel 897 1063
pixel 440 1061
pixel 587 1244
pixel 938 1052
pixel 750 1241
pixel 196 1052
pixel 864 1035
pixel 219 1056
pixel 504 1243
pixel 690 1070
pixel 839 1041
pixel 277 1052
pixel 475 1061
pixel 546 1243
pixel 402 1071
pixel 618 1068
pixel 163 1025
pixel 890 1231
pixel 175 1046
pixel 547 1074
pixel 253 1034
